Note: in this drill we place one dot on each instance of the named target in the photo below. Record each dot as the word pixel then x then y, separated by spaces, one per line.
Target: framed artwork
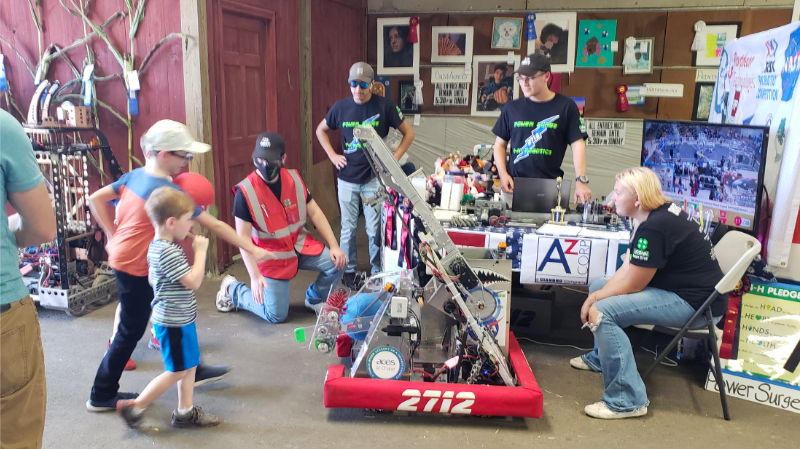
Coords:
pixel 407 97
pixel 555 38
pixel 594 43
pixel 380 86
pixel 493 84
pixel 717 35
pixel 703 97
pixel 635 94
pixel 451 44
pixel 506 33
pixel 581 103
pixel 396 56
pixel 642 61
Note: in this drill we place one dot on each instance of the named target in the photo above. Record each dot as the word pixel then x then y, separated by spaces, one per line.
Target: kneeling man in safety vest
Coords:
pixel 271 206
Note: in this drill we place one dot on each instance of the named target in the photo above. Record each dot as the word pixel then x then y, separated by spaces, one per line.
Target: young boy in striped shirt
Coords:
pixel 174 309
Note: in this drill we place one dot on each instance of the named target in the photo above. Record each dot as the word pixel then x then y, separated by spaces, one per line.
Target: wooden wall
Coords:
pixel 673 32
pixel 162 92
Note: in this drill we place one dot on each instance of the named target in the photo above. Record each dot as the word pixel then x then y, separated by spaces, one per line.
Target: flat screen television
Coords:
pixel 720 167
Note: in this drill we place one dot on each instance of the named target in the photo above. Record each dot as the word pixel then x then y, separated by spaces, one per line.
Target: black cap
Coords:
pixel 270 146
pixel 533 64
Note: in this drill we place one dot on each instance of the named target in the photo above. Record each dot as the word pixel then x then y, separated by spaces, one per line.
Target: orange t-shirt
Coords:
pixel 128 249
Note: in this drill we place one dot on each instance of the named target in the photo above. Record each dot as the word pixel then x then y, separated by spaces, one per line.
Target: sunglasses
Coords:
pixel 362 85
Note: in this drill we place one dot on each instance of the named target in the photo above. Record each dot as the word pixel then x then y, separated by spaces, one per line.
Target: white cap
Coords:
pixel 169 135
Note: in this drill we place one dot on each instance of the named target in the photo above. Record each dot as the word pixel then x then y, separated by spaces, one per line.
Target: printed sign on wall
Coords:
pixel 563 260
pixel 605 132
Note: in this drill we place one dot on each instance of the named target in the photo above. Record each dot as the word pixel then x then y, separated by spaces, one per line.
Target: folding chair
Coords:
pixel 735 251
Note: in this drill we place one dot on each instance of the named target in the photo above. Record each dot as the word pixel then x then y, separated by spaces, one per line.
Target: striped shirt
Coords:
pixel 174 305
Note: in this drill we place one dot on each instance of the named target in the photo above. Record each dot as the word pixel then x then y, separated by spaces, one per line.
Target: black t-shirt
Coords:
pixel 683 256
pixel 347 114
pixel 538 135
pixel 242 210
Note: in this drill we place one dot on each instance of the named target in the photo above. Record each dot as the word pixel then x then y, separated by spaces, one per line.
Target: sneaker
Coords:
pixel 195 418
pixel 130 365
pixel 224 301
pixel 354 280
pixel 601 411
pixel 314 307
pixel 153 343
pixel 109 405
pixel 206 374
pixel 127 410
pixel 578 363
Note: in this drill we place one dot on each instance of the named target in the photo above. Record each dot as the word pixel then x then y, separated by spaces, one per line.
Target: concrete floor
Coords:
pixel 273 398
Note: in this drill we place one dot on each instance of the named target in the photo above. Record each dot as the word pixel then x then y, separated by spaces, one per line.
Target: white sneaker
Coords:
pixel 224 301
pixel 601 411
pixel 578 363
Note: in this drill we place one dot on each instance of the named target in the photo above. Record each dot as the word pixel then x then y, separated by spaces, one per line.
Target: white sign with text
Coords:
pixel 605 132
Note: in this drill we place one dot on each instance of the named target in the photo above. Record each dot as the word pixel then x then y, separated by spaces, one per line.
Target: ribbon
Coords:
pixel 530 30
pixel 412 32
pixel 699 42
pixel 418 91
pixel 3 83
pixel 729 347
pixel 391 214
pixel 405 240
pixel 622 99
pixel 629 60
pixel 87 84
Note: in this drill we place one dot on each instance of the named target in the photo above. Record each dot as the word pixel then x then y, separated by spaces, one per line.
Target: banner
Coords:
pixel 756 85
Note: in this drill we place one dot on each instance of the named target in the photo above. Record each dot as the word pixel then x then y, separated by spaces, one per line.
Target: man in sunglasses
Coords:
pixel 355 174
pixel 538 128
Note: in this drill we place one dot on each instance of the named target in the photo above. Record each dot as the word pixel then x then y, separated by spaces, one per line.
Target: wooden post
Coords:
pixel 197 98
pixel 306 86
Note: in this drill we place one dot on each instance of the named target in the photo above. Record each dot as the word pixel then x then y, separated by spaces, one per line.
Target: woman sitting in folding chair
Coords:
pixel 670 271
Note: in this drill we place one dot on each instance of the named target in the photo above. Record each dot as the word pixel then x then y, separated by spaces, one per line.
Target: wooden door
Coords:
pixel 245 99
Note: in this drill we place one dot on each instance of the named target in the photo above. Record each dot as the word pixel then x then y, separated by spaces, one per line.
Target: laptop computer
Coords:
pixel 539 195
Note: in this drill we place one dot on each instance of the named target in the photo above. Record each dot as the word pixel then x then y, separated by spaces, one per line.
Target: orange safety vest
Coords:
pixel 279 226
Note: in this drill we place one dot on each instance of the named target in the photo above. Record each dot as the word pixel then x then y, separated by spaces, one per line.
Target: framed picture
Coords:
pixel 581 103
pixel 407 97
pixel 595 38
pixel 717 35
pixel 555 38
pixel 506 33
pixel 396 56
pixel 451 44
pixel 642 54
pixel 703 98
pixel 493 84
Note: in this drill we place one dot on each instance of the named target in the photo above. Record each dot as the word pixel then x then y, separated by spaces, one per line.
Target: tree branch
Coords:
pixel 33 75
pixel 157 46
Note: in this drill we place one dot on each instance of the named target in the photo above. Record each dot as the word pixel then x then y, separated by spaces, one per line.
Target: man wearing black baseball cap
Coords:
pixel 538 129
pixel 355 174
pixel 270 207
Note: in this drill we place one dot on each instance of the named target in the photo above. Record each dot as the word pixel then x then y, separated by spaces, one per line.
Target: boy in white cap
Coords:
pixel 355 174
pixel 168 147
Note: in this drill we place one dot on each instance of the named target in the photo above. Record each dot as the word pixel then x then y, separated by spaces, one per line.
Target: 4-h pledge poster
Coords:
pixel 769 330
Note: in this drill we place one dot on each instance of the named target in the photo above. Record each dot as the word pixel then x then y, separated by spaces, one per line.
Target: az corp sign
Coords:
pixel 563 260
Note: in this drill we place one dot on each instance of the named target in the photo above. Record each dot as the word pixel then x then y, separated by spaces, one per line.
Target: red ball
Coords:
pixel 196 186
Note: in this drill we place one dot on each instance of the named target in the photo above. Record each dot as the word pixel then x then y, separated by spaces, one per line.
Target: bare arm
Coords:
pixel 321 222
pixel 97 204
pixel 579 156
pixel 408 137
pixel 500 146
pixel 222 229
pixel 244 229
pixel 36 223
pixel 195 277
pixel 322 136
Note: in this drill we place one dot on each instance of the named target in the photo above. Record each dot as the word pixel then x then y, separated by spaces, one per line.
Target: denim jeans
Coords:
pixel 349 200
pixel 613 355
pixel 275 307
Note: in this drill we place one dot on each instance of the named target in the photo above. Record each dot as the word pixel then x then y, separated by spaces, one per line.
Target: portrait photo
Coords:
pixel 407 97
pixel 493 84
pixel 555 38
pixel 641 60
pixel 396 56
pixel 506 33
pixel 451 44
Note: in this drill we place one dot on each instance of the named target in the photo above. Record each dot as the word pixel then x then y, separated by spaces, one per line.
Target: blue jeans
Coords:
pixel 275 307
pixel 349 200
pixel 613 355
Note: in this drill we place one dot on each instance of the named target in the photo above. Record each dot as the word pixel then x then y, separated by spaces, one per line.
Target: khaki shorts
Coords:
pixel 23 391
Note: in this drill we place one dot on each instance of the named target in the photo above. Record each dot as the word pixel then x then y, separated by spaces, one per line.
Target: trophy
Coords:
pixel 558 212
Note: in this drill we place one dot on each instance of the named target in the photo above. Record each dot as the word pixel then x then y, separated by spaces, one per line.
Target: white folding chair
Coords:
pixel 735 252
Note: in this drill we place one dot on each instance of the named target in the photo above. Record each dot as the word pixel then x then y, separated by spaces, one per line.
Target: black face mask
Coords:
pixel 270 169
